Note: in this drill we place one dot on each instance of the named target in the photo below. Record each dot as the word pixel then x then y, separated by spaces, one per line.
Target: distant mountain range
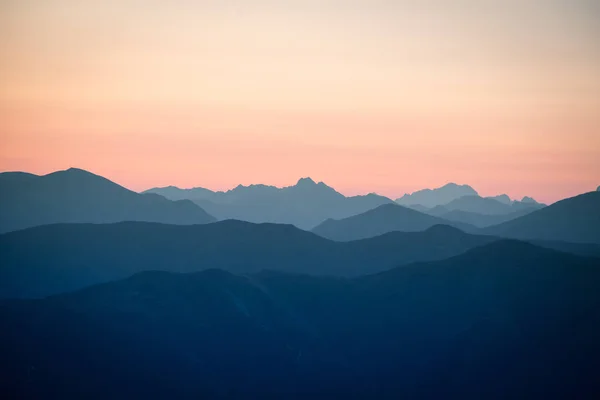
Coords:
pixel 435 197
pixel 75 195
pixel 483 211
pixel 304 205
pixel 464 198
pixel 576 219
pixel 504 320
pixel 462 204
pixel 476 219
pixel 487 206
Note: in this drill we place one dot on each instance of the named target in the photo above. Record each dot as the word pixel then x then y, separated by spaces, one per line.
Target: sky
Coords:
pixel 386 96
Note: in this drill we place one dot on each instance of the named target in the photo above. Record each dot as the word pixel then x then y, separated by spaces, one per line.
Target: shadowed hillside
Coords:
pixel 57 258
pixel 473 326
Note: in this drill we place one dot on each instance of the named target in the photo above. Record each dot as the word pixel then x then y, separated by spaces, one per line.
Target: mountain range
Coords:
pixel 576 220
pixel 486 206
pixel 76 195
pixel 304 205
pixel 504 319
pixel 79 196
pixel 71 256
pixel 430 198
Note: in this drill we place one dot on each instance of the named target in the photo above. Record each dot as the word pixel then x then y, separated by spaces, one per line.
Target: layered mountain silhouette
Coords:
pixel 76 195
pixel 304 205
pixel 383 219
pixel 502 198
pixel 435 197
pixel 462 204
pixel 576 219
pixel 72 256
pixel 476 219
pixel 488 206
pixel 504 320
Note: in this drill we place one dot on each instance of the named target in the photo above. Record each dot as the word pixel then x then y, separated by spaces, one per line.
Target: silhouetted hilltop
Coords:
pixel 304 205
pixel 502 198
pixel 472 326
pixel 57 258
pixel 383 219
pixel 576 219
pixel 435 197
pixel 174 193
pixel 76 195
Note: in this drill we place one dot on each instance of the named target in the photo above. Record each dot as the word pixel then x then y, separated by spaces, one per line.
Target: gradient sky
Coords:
pixel 387 96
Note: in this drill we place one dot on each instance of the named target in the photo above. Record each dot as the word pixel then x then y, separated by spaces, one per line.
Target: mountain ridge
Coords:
pixel 76 195
pixel 575 219
pixel 470 326
pixel 305 204
pixel 380 220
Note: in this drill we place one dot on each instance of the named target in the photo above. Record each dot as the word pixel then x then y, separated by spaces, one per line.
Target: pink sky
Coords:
pixel 367 96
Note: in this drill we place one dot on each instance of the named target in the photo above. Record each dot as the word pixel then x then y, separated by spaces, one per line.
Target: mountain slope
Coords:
pixel 472 326
pixel 576 219
pixel 75 195
pixel 502 198
pixel 475 219
pixel 304 205
pixel 383 219
pixel 435 197
pixel 57 258
pixel 491 206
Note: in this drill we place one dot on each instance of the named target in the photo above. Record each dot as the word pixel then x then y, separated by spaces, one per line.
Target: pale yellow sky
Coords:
pixel 379 95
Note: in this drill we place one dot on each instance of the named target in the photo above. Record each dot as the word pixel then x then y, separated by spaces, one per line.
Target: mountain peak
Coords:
pixel 455 185
pixel 439 196
pixel 528 199
pixel 78 171
pixel 502 198
pixel 305 182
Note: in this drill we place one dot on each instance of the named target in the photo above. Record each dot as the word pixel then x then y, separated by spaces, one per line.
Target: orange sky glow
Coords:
pixel 367 96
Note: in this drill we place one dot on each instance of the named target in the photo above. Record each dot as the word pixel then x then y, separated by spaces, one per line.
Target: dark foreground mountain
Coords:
pixel 304 205
pixel 506 320
pixel 57 258
pixel 383 219
pixel 576 219
pixel 75 195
